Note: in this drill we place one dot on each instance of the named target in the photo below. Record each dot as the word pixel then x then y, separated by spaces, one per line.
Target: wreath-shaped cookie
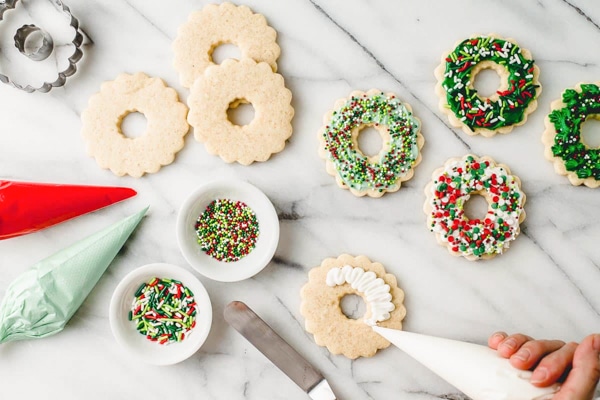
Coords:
pixel 451 187
pixel 564 145
pixel 217 24
pixel 505 109
pixel 338 277
pixel 401 147
pixel 228 85
pixel 165 131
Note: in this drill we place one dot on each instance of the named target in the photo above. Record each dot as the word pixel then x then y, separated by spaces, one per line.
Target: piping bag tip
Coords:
pixel 40 302
pixel 476 370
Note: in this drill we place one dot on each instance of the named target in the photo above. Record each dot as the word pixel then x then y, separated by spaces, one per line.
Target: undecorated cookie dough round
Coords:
pixel 215 25
pixel 346 275
pixel 401 143
pixel 451 188
pixel 564 144
pixel 509 106
pixel 228 85
pixel 166 125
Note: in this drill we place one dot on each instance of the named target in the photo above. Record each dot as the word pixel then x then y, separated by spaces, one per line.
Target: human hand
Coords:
pixel 576 365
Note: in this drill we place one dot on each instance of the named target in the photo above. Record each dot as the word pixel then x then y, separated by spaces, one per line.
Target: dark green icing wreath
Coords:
pixel 467 106
pixel 577 157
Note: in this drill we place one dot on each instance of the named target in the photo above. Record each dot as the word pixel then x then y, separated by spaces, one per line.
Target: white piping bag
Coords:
pixel 477 371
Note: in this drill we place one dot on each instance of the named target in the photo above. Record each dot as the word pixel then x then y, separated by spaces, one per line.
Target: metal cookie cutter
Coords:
pixel 37 44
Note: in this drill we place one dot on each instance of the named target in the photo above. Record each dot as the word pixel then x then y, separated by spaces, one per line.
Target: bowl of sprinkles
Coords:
pixel 160 313
pixel 228 230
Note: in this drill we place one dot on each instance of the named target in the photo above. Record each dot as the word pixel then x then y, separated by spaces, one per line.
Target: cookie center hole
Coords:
pixel 369 141
pixel 240 113
pixel 590 132
pixel 134 125
pixel 487 82
pixel 476 207
pixel 226 51
pixel 353 306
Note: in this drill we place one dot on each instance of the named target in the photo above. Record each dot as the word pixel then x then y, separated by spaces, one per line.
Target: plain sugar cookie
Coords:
pixel 166 125
pixel 509 106
pixel 329 283
pixel 215 25
pixel 564 145
pixel 228 85
pixel 449 190
pixel 401 143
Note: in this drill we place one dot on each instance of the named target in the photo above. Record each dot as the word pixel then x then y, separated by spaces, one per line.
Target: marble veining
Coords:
pixel 545 285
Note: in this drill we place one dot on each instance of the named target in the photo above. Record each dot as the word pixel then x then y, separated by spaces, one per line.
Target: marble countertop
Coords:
pixel 546 285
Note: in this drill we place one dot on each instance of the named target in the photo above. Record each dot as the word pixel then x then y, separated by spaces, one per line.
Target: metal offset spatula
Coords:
pixel 268 342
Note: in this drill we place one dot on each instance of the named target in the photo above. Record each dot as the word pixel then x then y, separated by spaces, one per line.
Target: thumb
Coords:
pixel 583 378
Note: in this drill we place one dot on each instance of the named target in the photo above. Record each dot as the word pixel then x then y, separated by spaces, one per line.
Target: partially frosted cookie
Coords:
pixel 401 148
pixel 564 144
pixel 345 275
pixel 505 109
pixel 451 187
pixel 215 25
pixel 228 85
pixel 166 126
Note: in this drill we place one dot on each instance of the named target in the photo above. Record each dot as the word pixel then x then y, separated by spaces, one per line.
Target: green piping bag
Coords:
pixel 40 302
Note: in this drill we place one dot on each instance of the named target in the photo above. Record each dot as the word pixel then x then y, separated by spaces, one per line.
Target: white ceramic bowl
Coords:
pixel 135 343
pixel 268 225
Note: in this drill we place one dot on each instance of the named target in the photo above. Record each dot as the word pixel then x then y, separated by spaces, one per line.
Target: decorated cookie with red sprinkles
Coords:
pixel 450 189
pixel 401 137
pixel 509 106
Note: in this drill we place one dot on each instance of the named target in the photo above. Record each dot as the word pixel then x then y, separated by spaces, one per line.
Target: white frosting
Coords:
pixel 374 289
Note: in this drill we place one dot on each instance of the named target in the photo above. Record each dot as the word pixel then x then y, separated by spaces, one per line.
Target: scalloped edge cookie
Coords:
pixel 548 139
pixel 330 166
pixel 165 132
pixel 428 209
pixel 214 25
pixel 323 315
pixel 443 104
pixel 226 86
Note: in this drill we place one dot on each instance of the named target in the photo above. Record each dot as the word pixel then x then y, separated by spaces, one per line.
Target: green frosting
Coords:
pixel 353 167
pixel 467 106
pixel 577 157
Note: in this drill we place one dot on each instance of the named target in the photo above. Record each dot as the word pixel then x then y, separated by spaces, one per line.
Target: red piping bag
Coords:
pixel 27 207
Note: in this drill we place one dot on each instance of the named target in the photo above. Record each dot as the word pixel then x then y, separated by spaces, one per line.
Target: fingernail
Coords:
pixel 522 355
pixel 498 335
pixel 596 343
pixel 510 343
pixel 539 375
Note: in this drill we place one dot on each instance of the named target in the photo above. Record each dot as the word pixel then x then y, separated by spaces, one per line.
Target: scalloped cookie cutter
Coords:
pixel 37 44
